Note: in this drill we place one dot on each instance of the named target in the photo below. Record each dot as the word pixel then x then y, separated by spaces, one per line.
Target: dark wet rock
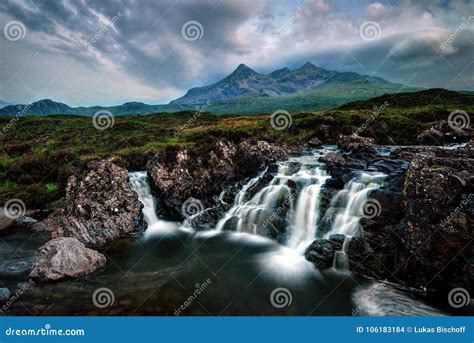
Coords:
pixel 313 143
pixel 208 219
pixel 337 241
pixel 356 144
pixel 442 133
pixel 231 224
pixel 4 295
pixel 100 207
pixel 424 226
pixel 65 257
pixel 321 253
pixel 204 172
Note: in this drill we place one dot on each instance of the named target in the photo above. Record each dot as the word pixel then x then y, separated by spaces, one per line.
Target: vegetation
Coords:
pixel 40 152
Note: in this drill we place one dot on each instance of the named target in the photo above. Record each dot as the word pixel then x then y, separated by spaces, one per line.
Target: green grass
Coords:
pixel 39 153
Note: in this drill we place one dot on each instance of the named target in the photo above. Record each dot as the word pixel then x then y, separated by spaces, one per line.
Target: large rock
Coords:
pixel 443 133
pixel 204 172
pixel 321 253
pixel 100 207
pixel 356 144
pixel 65 257
pixel 425 226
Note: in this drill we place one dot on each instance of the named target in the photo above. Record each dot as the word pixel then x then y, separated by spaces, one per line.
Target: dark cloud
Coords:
pixel 140 43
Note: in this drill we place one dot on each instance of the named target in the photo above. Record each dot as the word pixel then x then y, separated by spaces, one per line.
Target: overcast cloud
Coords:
pixel 109 52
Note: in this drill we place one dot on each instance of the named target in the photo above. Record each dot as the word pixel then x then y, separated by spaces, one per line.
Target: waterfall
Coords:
pixel 287 208
pixel 347 207
pixel 139 183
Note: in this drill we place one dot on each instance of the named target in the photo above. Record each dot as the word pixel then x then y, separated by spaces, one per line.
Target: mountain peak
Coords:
pixel 243 71
pixel 309 66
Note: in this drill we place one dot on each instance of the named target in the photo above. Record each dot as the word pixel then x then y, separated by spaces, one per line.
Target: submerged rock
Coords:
pixel 204 172
pixel 321 253
pixel 101 207
pixel 65 257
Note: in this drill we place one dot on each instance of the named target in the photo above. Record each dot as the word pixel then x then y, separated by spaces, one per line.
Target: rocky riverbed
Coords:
pixel 419 234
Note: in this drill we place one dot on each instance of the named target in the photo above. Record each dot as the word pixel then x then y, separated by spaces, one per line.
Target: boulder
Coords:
pixel 204 172
pixel 442 132
pixel 100 207
pixel 65 257
pixel 356 144
pixel 313 143
pixel 4 295
pixel 321 253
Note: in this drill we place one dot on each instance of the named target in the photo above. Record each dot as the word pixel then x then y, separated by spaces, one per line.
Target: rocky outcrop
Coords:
pixel 443 132
pixel 100 207
pixel 425 226
pixel 204 172
pixel 65 257
pixel 356 144
pixel 321 253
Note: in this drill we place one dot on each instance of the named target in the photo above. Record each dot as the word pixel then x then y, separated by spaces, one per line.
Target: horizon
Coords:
pixel 105 54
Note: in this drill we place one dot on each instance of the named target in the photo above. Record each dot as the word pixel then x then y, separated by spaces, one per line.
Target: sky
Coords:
pixel 104 52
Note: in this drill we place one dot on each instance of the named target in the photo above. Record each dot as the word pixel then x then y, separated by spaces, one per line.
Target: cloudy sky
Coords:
pixel 103 52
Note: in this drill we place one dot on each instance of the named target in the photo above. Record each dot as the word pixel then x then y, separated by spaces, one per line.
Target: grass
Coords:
pixel 39 153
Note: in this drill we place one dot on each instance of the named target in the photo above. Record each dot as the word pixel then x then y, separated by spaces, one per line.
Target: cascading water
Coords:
pixel 139 183
pixel 273 211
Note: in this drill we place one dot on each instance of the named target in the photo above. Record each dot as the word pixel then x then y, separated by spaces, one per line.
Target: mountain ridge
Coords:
pixel 245 91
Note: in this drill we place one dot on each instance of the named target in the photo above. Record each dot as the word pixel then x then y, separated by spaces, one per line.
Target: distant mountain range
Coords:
pixel 4 104
pixel 244 91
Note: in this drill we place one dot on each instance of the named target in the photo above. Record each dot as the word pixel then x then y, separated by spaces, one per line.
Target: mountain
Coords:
pixel 4 104
pixel 245 91
pixel 244 81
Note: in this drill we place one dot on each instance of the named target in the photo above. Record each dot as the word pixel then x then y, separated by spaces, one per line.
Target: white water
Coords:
pixel 139 183
pixel 291 199
pixel 349 203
